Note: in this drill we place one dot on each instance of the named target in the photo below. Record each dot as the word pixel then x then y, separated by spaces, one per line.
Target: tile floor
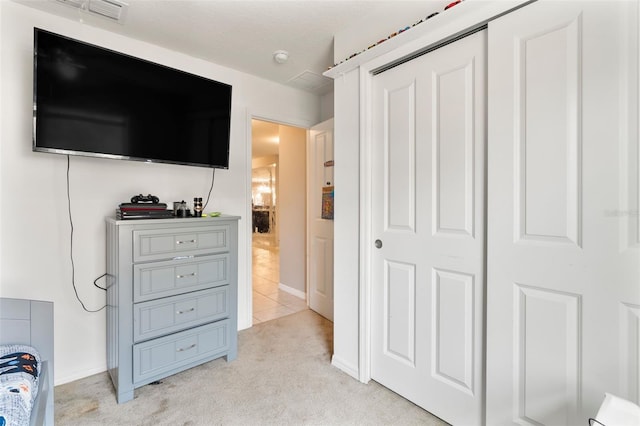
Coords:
pixel 269 302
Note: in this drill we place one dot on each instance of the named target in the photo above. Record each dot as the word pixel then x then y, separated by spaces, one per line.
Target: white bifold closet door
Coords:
pixel 563 280
pixel 428 155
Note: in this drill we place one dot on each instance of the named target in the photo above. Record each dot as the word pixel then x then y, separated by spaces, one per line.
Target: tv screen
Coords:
pixel 96 102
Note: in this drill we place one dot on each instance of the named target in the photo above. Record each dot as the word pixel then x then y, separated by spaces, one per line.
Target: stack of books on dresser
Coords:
pixel 143 211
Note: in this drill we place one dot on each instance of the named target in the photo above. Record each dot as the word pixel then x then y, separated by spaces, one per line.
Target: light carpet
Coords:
pixel 283 376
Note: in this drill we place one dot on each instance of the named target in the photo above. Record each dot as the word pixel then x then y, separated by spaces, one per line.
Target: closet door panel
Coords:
pixel 562 278
pixel 547 131
pixel 427 296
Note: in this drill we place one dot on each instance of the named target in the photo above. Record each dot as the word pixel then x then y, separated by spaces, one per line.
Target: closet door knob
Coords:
pixel 378 244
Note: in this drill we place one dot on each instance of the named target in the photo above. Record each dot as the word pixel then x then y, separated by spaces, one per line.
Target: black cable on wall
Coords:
pixel 73 267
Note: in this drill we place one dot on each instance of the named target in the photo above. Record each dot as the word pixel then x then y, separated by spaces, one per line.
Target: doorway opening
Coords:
pixel 278 197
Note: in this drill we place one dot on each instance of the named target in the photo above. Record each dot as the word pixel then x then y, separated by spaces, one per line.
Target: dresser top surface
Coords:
pixel 177 220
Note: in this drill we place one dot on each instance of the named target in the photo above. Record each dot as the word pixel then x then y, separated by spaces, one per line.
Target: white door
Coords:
pixel 427 292
pixel 563 281
pixel 320 218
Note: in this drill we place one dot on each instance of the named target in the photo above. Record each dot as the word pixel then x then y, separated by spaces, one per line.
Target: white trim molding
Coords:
pixel 476 13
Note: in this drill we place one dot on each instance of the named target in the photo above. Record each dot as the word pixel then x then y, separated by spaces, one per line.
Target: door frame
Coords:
pixel 440 35
pixel 285 121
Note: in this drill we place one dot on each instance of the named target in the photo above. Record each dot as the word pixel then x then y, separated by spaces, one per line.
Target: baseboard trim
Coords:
pixel 346 367
pixel 301 294
pixel 79 375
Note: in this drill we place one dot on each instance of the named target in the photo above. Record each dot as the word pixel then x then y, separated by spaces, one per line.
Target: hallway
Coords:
pixel 269 302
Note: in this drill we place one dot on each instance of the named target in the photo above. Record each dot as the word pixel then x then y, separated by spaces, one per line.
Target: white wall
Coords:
pixel 34 226
pixel 292 209
pixel 346 223
pixel 326 106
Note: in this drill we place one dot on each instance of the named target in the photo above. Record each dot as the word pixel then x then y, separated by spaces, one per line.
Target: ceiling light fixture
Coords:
pixel 280 56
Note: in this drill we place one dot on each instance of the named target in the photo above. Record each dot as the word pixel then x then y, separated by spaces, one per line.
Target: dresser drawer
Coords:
pixel 160 244
pixel 169 354
pixel 164 316
pixel 171 277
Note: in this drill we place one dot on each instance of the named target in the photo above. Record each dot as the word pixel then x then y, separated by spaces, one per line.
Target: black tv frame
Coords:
pixel 148 66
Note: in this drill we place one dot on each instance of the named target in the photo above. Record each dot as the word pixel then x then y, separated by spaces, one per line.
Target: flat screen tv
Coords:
pixel 96 102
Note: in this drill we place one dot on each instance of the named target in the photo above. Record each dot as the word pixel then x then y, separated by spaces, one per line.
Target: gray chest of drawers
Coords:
pixel 171 297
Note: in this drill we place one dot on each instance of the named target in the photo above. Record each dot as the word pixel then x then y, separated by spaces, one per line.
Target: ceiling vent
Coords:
pixel 112 9
pixel 310 81
pixel 74 3
pixel 108 8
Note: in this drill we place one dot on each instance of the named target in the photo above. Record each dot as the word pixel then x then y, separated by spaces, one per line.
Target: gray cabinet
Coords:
pixel 171 297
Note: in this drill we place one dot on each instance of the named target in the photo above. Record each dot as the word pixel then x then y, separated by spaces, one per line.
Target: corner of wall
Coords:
pixel 340 364
pixel 326 106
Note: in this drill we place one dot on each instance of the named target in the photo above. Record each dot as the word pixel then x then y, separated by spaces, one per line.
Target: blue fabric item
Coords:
pixel 19 361
pixel 19 369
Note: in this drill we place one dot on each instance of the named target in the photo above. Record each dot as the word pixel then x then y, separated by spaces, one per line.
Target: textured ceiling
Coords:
pixel 239 34
pixel 264 138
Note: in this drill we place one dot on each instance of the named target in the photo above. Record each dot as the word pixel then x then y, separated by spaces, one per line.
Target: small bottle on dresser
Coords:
pixel 197 207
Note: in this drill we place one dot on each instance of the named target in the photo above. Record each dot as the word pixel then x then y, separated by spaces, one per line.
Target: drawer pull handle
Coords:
pixel 182 257
pixel 186 349
pixel 184 312
pixel 193 274
pixel 185 242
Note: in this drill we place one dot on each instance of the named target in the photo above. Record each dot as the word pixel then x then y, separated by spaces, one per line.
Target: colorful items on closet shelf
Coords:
pixel 450 5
